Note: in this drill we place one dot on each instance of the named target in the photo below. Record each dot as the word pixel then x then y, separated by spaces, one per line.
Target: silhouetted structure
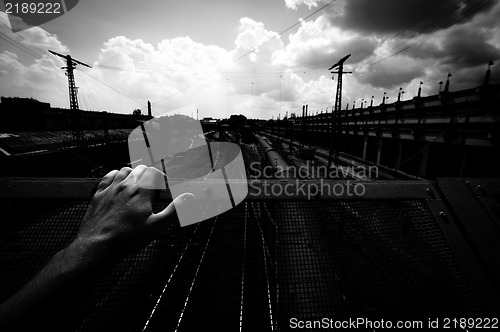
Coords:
pixel 73 98
pixel 338 102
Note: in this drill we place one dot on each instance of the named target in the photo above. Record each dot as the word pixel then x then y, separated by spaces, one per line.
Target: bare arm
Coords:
pixel 119 220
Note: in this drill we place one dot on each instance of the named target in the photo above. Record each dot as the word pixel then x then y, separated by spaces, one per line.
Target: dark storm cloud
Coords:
pixel 406 16
pixel 462 47
pixel 462 77
pixel 468 48
pixel 391 75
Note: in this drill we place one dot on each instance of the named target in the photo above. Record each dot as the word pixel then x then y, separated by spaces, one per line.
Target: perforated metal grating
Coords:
pixel 251 269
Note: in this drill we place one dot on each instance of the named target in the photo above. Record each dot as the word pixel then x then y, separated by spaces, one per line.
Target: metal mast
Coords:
pixel 73 98
pixel 336 130
pixel 70 66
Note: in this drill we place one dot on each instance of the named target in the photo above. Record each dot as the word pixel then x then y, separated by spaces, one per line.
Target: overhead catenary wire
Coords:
pixel 267 74
pixel 81 95
pixel 26 40
pixel 367 54
pixel 421 35
pixel 40 57
pixel 37 56
pixel 249 52
pixel 18 45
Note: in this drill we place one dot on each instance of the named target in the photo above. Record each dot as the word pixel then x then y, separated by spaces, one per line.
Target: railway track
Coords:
pixel 350 166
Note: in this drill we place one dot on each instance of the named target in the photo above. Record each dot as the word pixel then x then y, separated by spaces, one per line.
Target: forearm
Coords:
pixel 64 267
pixel 119 220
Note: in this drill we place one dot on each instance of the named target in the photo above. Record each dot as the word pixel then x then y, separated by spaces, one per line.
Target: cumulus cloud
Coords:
pixel 37 80
pixel 317 43
pixel 266 73
pixel 41 39
pixel 253 37
pixel 180 71
pixel 289 89
pixel 36 37
pixel 294 4
pixel 42 76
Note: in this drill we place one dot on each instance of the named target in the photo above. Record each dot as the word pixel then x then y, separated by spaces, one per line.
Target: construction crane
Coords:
pixel 336 130
pixel 73 99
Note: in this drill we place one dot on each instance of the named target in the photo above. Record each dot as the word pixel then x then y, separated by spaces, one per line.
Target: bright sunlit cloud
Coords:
pixel 264 74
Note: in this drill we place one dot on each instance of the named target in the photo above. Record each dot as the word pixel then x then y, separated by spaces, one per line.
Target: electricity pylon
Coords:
pixel 73 98
pixel 336 130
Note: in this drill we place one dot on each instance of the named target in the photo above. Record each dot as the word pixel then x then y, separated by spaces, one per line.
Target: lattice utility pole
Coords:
pixel 73 98
pixel 336 125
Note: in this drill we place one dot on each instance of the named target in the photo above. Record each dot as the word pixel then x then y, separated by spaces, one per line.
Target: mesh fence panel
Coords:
pixel 251 269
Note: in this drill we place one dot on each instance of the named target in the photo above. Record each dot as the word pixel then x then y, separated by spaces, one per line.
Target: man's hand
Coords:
pixel 120 217
pixel 118 221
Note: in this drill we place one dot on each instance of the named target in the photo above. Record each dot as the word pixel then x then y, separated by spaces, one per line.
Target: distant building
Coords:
pixel 28 114
pixel 24 102
pixel 208 120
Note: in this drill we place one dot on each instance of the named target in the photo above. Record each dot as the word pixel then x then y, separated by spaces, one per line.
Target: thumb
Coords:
pixel 168 214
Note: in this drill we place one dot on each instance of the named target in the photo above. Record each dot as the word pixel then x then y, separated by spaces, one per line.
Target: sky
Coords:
pixel 260 58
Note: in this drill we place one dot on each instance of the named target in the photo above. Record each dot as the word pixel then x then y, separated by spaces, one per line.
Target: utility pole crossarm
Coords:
pixel 55 53
pixel 340 63
pixel 68 57
pixel 81 63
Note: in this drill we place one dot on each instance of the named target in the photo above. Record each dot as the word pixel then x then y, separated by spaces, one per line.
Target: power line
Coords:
pixel 18 45
pixel 37 56
pixel 109 86
pixel 42 52
pixel 449 23
pixel 367 54
pixel 469 11
pixel 282 32
pixel 321 65
pixel 267 74
pixel 252 50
